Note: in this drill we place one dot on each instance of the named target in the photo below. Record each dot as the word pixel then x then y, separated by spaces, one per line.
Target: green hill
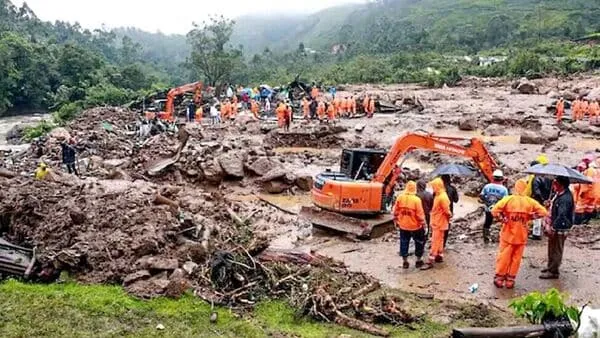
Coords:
pixel 387 26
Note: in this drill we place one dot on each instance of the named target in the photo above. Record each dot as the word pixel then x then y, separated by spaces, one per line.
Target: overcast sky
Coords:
pixel 168 16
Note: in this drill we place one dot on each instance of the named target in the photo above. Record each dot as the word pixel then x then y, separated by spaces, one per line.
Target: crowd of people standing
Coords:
pixel 537 206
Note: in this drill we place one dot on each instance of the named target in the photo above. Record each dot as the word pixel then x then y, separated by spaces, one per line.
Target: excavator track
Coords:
pixel 361 228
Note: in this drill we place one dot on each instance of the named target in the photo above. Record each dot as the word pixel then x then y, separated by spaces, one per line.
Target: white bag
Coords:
pixel 590 324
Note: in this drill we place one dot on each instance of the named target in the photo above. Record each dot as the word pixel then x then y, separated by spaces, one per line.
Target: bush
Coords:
pixel 67 112
pixel 38 130
pixel 106 94
pixel 526 64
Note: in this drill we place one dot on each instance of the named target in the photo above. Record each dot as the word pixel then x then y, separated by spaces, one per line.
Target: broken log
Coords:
pixel 7 173
pixel 356 324
pixel 365 290
pixel 160 199
pixel 296 257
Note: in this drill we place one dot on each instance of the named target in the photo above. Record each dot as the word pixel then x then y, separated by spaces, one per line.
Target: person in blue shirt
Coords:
pixel 490 195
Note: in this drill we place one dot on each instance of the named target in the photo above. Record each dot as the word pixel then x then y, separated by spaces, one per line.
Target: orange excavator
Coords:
pixel 359 197
pixel 169 106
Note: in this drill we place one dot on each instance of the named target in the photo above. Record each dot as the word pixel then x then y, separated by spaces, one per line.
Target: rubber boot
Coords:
pixel 499 281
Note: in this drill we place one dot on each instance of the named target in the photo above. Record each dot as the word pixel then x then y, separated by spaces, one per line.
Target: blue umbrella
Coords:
pixel 559 170
pixel 453 169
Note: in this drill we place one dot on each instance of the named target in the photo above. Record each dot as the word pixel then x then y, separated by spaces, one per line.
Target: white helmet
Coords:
pixel 498 174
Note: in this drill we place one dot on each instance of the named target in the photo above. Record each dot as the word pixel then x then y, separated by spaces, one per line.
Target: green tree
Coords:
pixel 211 57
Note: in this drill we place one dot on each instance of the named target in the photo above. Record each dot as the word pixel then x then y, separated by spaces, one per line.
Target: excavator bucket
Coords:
pixel 360 228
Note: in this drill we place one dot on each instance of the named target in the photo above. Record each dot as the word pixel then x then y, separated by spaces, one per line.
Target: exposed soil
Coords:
pixel 206 219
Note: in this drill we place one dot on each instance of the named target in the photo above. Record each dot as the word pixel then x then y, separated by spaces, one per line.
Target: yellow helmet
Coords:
pixel 542 159
pixel 42 165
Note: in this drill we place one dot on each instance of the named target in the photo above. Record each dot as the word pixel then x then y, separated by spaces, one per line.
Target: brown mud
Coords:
pixel 237 189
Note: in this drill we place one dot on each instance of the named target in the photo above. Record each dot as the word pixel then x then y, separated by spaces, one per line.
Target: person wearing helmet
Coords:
pixel 41 172
pixel 515 211
pixel 490 195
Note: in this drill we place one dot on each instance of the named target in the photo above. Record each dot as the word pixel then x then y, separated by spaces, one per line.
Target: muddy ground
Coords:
pixel 238 188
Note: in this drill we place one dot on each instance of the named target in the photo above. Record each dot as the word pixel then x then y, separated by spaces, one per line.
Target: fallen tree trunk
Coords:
pixel 342 319
pixel 7 173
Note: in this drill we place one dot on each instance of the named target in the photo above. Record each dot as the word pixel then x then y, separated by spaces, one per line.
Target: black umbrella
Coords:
pixel 453 169
pixel 559 170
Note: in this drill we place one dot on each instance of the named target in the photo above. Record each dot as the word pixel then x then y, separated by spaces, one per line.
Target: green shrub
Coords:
pixel 106 94
pixel 537 307
pixel 67 112
pixel 40 129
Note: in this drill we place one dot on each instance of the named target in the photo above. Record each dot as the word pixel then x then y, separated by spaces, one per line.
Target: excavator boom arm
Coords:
pixel 475 150
pixel 195 87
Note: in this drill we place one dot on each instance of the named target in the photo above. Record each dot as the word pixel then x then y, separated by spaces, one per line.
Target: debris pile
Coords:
pixel 322 136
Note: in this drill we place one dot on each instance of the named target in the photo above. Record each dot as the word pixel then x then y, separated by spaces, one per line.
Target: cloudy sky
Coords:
pixel 168 16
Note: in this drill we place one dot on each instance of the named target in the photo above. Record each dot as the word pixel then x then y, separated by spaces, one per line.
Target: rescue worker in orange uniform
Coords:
pixel 560 110
pixel 370 107
pixel 344 107
pixel 596 185
pixel 352 108
pixel 234 107
pixel 337 105
pixel 331 112
pixel 366 104
pixel 305 108
pixel 254 108
pixel 583 194
pixel 225 106
pixel 280 112
pixel 409 218
pixel 515 211
pixel 575 109
pixel 440 218
pixel 585 109
pixel 321 110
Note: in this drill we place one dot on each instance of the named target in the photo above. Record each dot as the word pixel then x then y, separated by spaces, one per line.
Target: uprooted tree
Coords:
pixel 211 57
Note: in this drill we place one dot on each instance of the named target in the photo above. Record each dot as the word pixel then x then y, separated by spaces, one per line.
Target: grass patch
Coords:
pixel 72 310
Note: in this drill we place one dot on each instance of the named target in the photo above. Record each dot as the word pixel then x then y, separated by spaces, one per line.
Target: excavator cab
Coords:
pixel 361 164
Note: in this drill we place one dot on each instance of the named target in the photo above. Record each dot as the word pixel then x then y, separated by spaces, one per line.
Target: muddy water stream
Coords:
pixel 7 123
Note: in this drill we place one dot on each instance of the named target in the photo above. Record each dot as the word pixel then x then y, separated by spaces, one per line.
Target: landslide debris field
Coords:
pixel 215 209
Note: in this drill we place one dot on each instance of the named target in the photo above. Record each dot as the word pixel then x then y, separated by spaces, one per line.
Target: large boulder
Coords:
pixel 275 187
pixel 59 134
pixel 212 171
pixel 594 94
pixel 546 135
pixel 232 164
pixel 15 134
pixel 581 126
pixel 304 182
pixel 274 174
pixel 494 130
pixel 262 166
pixel 527 87
pixel 467 124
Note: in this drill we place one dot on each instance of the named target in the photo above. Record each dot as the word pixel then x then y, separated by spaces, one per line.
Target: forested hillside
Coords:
pixel 387 26
pixel 63 67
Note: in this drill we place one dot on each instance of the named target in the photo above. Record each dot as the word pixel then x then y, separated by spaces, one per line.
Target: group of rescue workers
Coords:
pixel 580 108
pixel 549 207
